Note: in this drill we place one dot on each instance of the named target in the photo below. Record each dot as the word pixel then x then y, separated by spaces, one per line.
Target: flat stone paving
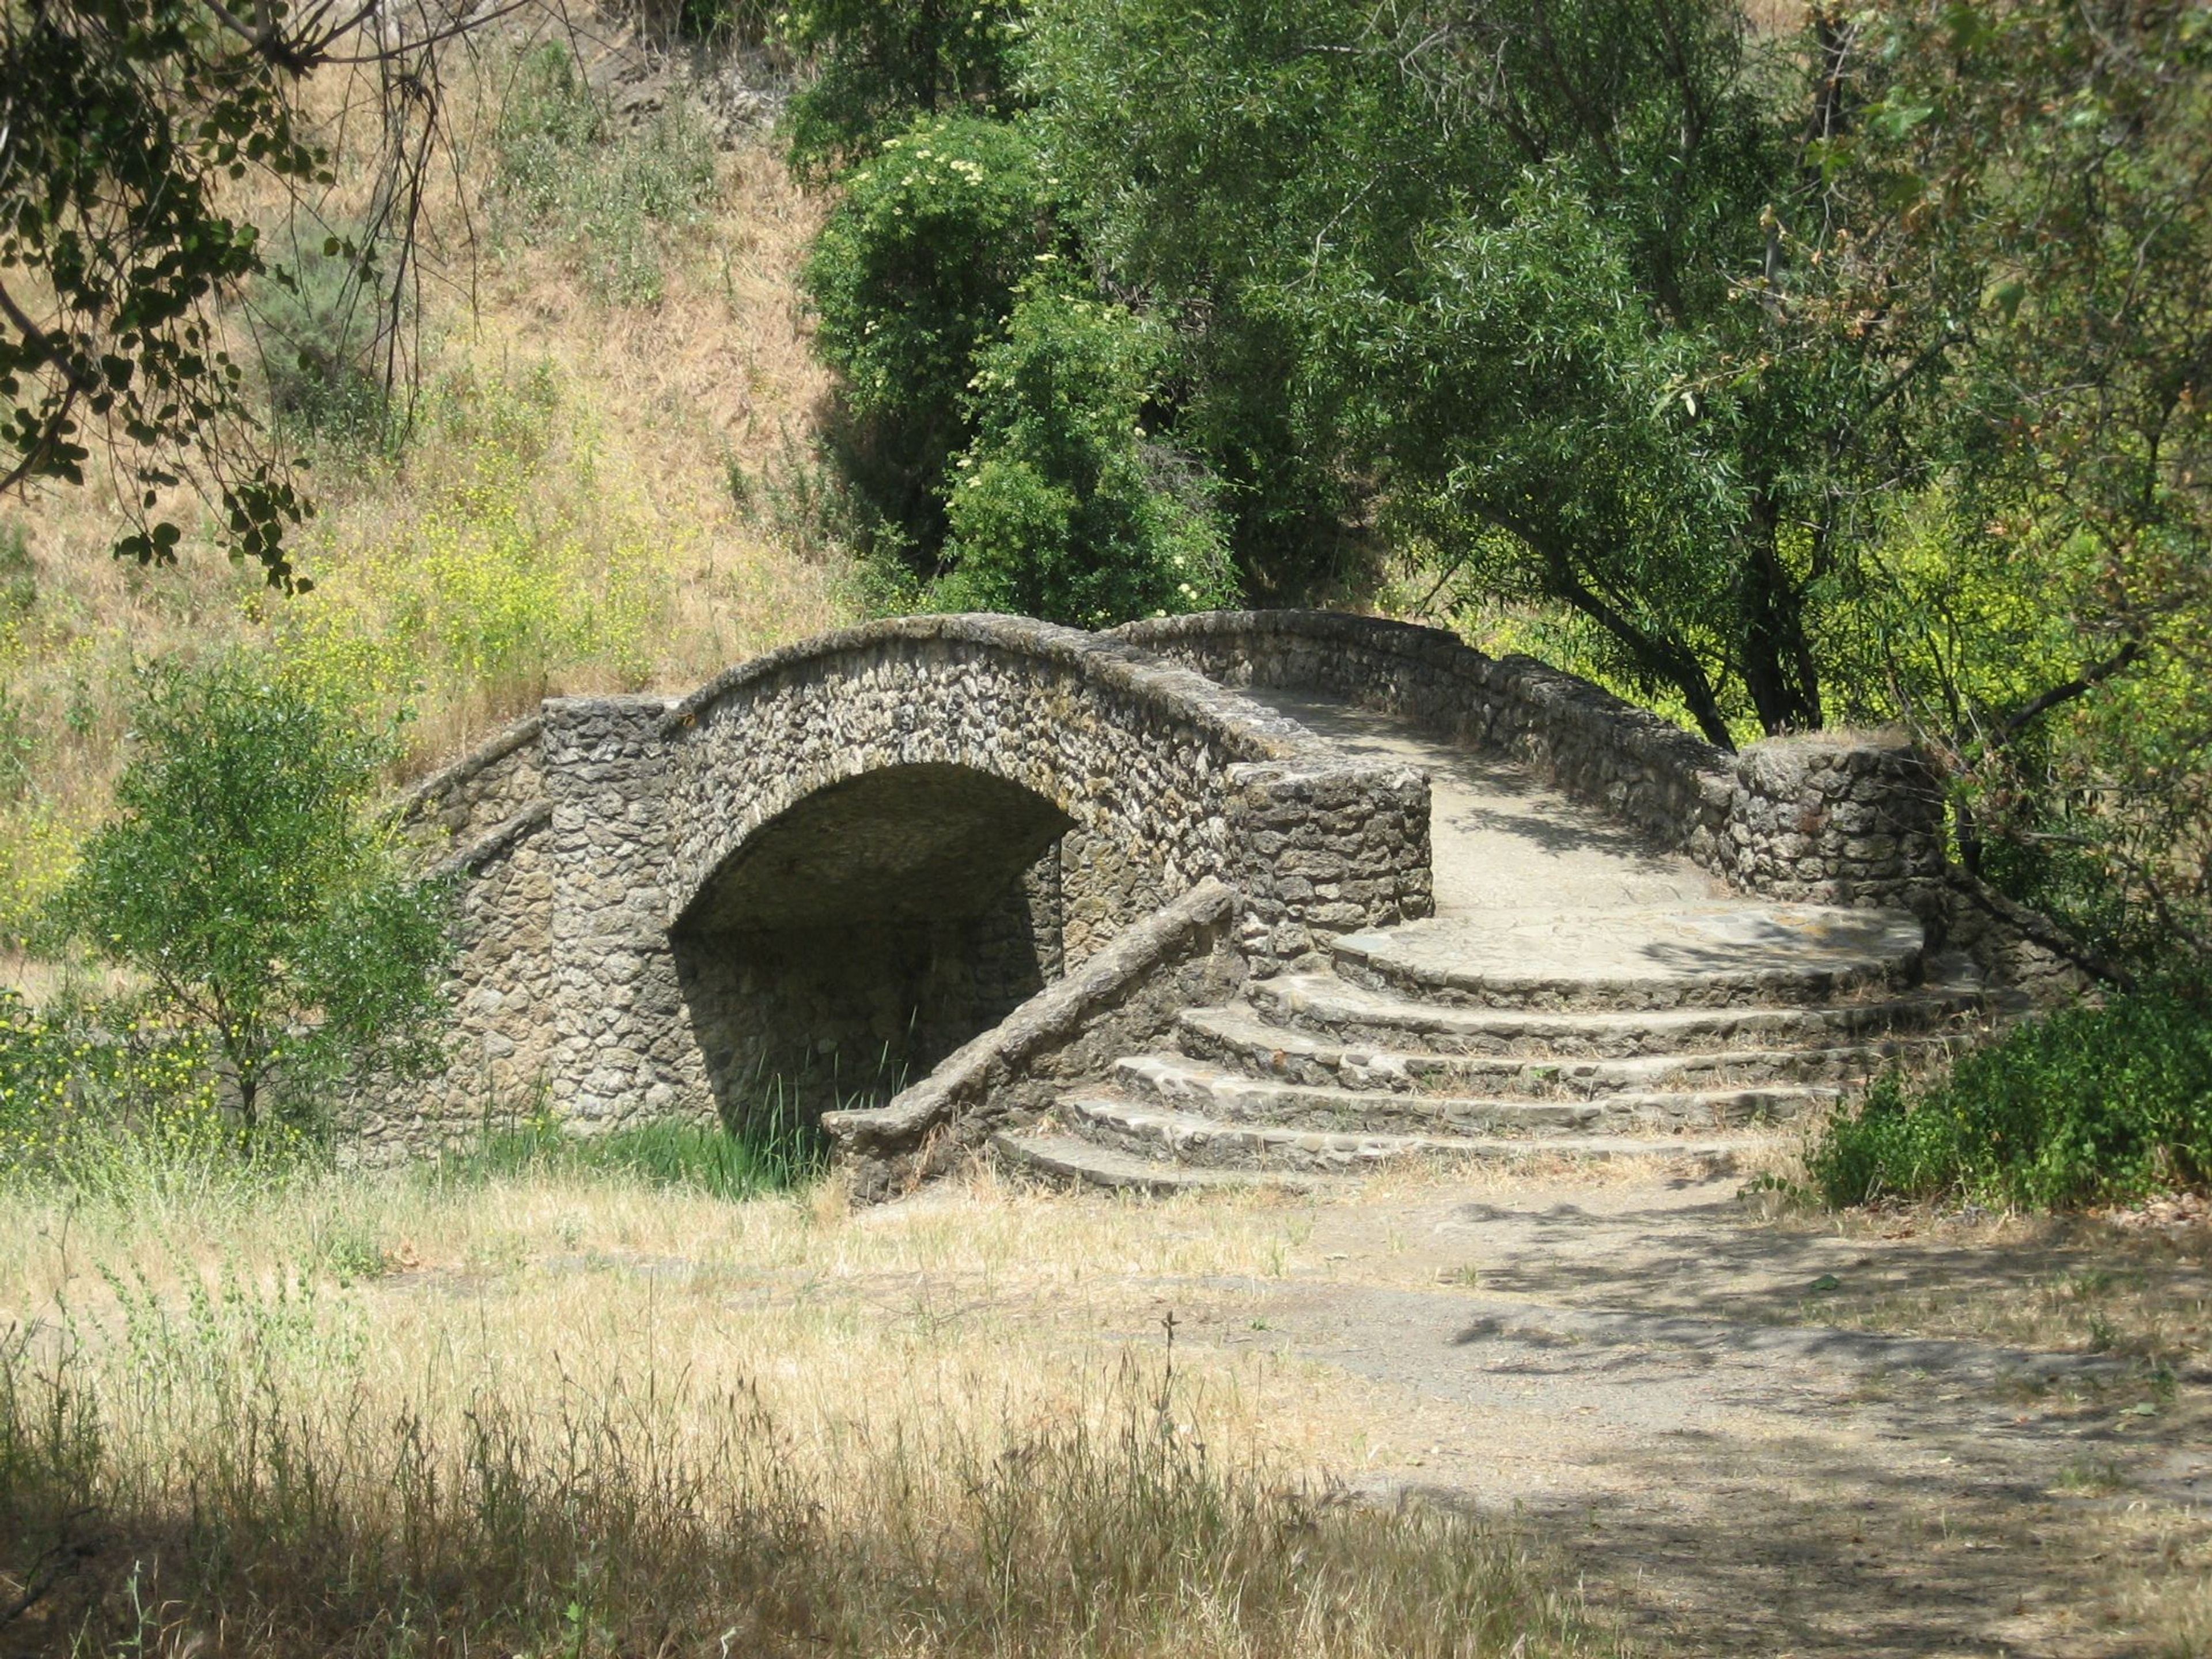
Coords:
pixel 1532 887
pixel 1650 947
pixel 1503 841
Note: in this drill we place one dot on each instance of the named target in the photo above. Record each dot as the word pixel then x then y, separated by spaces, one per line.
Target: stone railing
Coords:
pixel 485 788
pixel 1125 997
pixel 1166 777
pixel 1848 821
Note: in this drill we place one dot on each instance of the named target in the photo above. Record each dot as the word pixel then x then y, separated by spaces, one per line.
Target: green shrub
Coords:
pixel 879 64
pixel 570 174
pixel 917 268
pixel 244 882
pixel 317 326
pixel 96 1098
pixel 2091 1105
pixel 1063 507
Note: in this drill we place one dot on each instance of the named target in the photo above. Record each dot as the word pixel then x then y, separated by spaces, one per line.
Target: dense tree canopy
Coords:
pixel 1851 371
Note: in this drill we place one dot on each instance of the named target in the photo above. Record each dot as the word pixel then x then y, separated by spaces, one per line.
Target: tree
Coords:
pixel 1064 507
pixel 877 64
pixel 125 127
pixel 243 880
pixel 912 272
pixel 1498 269
pixel 2028 198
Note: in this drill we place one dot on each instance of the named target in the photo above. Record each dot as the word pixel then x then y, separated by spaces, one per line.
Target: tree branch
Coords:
pixel 2080 685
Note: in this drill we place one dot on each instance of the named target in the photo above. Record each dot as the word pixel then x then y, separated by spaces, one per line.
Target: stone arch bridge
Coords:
pixel 1203 895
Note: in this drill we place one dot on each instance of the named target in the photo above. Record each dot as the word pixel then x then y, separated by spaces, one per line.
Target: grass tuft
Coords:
pixel 770 1153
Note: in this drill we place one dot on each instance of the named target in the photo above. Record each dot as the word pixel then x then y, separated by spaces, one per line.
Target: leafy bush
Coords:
pixel 2091 1105
pixel 317 328
pixel 243 881
pixel 916 269
pixel 572 175
pixel 878 63
pixel 1062 507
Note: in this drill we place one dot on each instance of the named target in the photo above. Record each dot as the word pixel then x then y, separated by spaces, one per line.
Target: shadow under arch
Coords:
pixel 848 944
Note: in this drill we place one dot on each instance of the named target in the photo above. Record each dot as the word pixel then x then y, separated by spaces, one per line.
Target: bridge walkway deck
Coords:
pixel 1578 994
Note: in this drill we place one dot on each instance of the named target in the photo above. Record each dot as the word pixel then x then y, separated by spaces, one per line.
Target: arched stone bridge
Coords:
pixel 970 861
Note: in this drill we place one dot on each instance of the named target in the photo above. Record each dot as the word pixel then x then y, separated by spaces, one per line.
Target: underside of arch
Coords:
pixel 903 844
pixel 855 940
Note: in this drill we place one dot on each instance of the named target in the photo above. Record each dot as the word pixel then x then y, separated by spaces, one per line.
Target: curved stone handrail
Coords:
pixel 1644 770
pixel 1831 818
pixel 494 781
pixel 1145 757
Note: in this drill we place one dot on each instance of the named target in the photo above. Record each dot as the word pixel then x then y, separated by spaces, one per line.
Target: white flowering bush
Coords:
pixel 1065 505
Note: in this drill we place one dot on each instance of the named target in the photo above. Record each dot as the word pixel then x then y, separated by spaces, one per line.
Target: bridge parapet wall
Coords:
pixel 1823 820
pixel 1167 777
pixel 485 788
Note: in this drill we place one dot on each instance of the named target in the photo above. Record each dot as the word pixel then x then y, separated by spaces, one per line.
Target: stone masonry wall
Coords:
pixel 1143 757
pixel 1831 822
pixel 586 833
pixel 467 800
pixel 1646 772
pixel 1816 820
pixel 502 986
pixel 620 1051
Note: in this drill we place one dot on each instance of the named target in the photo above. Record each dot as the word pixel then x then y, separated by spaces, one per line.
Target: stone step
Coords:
pixel 1149 1131
pixel 1237 1038
pixel 1329 1006
pixel 1712 956
pixel 1070 1160
pixel 1187 1084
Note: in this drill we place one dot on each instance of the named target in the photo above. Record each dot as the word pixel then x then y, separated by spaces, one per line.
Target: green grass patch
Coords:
pixel 2089 1106
pixel 775 1151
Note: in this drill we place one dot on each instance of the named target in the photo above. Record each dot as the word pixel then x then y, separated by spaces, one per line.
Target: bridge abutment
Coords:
pixel 621 1049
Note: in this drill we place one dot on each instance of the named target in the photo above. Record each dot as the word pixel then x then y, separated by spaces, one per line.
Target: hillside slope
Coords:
pixel 610 353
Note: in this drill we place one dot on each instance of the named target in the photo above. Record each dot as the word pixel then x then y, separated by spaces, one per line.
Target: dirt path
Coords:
pixel 1655 1375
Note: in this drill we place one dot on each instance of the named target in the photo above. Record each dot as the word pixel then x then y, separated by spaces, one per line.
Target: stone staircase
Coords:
pixel 1576 996
pixel 1403 1050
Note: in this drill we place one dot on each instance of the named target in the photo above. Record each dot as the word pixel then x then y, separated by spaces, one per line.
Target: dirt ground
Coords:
pixel 1745 1428
pixel 1756 1431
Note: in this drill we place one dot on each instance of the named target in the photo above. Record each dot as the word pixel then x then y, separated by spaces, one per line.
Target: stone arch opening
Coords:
pixel 848 944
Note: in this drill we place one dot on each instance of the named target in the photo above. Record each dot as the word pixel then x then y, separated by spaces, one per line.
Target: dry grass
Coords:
pixel 2057 1283
pixel 571 1417
pixel 620 485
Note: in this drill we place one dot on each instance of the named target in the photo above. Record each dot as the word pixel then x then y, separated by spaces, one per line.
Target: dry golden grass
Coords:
pixel 641 411
pixel 570 1416
pixel 2053 1283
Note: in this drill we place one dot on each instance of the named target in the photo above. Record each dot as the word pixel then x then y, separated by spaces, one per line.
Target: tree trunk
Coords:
pixel 1778 670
